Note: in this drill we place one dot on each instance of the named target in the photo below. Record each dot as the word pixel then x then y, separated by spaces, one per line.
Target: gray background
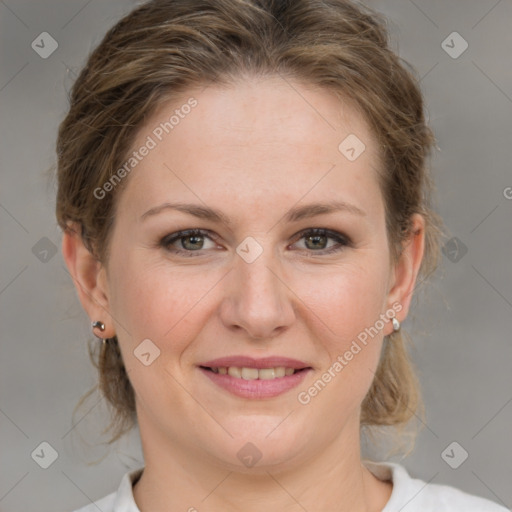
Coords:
pixel 461 326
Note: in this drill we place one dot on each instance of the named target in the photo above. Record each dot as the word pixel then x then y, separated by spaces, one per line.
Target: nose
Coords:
pixel 258 298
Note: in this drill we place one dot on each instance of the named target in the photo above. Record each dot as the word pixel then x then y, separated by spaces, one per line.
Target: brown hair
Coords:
pixel 164 47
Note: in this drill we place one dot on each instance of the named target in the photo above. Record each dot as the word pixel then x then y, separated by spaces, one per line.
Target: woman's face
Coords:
pixel 254 282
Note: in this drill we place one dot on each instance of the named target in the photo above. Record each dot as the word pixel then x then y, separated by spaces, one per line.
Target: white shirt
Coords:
pixel 408 494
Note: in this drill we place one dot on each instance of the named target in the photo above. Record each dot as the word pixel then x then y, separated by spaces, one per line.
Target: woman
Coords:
pixel 246 213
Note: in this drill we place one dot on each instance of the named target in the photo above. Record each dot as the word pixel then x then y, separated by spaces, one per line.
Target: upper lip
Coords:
pixel 251 362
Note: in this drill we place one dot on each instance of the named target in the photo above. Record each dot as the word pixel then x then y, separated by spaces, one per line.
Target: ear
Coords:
pixel 90 279
pixel 405 271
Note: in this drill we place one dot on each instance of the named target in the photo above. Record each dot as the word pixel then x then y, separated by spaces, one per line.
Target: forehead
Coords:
pixel 256 142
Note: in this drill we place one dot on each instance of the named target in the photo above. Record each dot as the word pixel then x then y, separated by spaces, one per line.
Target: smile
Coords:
pixel 254 373
pixel 255 383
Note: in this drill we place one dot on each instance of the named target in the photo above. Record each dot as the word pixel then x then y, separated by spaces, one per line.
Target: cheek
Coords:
pixel 157 301
pixel 344 329
pixel 345 301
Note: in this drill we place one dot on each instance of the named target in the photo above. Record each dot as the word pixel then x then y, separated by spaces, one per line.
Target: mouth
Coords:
pixel 255 379
pixel 248 373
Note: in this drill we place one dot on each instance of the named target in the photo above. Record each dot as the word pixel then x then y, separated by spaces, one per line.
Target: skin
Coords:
pixel 252 150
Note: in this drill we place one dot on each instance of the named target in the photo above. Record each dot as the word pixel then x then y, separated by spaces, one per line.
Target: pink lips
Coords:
pixel 256 389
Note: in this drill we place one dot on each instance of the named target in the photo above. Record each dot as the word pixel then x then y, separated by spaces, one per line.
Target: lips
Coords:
pixel 248 377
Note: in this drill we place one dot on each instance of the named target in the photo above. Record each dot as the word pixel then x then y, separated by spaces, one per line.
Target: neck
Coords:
pixel 177 478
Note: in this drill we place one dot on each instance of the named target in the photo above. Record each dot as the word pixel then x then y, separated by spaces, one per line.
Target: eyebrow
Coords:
pixel 293 215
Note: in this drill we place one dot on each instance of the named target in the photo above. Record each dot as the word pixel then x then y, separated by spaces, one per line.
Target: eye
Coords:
pixel 192 241
pixel 189 241
pixel 316 240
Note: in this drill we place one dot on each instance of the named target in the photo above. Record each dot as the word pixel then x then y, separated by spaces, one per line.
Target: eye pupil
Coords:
pixel 191 237
pixel 316 237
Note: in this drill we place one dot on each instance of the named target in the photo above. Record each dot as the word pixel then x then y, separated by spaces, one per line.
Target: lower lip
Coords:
pixel 256 388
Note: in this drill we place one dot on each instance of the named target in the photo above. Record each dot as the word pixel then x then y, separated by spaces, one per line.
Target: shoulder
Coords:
pixel 446 498
pixel 105 504
pixel 415 495
pixel 119 501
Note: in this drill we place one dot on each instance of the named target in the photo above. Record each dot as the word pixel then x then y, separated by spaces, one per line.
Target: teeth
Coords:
pixel 250 373
pixel 254 373
pixel 267 373
pixel 234 372
pixel 280 371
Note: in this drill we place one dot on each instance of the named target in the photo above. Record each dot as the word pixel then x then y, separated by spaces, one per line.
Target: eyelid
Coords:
pixel 177 235
pixel 336 235
pixel 342 241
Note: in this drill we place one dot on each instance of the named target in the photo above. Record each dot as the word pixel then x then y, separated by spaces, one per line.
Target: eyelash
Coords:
pixel 342 240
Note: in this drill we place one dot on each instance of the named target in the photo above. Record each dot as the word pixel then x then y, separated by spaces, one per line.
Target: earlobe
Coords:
pixel 407 268
pixel 89 277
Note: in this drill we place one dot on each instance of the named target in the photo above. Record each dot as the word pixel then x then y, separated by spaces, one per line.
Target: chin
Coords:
pixel 259 444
